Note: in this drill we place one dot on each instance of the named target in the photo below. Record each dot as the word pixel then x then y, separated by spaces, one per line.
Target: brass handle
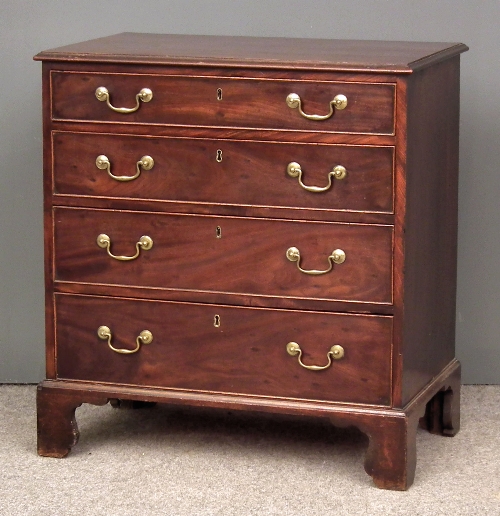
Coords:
pixel 336 352
pixel 145 337
pixel 145 95
pixel 295 170
pixel 145 163
pixel 337 257
pixel 339 102
pixel 144 243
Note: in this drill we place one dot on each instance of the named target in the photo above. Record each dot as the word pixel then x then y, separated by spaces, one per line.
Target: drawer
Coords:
pixel 224 102
pixel 224 349
pixel 225 172
pixel 225 254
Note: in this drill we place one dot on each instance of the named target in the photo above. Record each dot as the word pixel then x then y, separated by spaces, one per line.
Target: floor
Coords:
pixel 174 461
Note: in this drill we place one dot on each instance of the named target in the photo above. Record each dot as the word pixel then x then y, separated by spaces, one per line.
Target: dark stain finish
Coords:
pixel 187 349
pixel 246 173
pixel 217 290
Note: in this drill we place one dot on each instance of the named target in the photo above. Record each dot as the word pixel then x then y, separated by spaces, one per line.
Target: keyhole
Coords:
pixel 218 232
pixel 218 158
pixel 219 93
pixel 217 321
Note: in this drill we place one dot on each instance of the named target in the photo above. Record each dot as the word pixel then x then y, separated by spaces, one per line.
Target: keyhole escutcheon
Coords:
pixel 219 93
pixel 218 156
pixel 217 321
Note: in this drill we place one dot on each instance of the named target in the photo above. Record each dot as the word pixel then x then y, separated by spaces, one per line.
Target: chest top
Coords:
pixel 273 53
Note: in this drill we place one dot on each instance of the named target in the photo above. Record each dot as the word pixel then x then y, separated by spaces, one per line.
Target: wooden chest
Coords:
pixel 266 224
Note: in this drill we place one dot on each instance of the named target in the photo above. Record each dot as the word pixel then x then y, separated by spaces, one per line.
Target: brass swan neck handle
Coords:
pixel 145 163
pixel 295 170
pixel 295 102
pixel 336 352
pixel 337 257
pixel 145 337
pixel 145 95
pixel 145 243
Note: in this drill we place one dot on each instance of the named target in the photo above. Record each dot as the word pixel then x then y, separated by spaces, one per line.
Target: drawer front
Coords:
pixel 224 102
pixel 243 353
pixel 225 254
pixel 225 172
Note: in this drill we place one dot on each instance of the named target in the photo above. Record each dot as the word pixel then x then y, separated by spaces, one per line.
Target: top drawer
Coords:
pixel 224 102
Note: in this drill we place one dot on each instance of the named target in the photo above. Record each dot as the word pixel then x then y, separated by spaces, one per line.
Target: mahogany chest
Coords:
pixel 259 224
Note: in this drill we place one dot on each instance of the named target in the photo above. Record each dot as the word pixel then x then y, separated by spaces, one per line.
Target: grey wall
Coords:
pixel 27 27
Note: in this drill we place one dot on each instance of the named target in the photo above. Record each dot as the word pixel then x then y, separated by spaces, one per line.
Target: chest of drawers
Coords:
pixel 266 225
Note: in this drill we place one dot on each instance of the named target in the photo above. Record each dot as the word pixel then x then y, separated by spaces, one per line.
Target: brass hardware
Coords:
pixel 294 170
pixel 145 95
pixel 145 337
pixel 218 232
pixel 219 93
pixel 336 352
pixel 144 243
pixel 337 257
pixel 145 163
pixel 217 321
pixel 218 156
pixel 339 102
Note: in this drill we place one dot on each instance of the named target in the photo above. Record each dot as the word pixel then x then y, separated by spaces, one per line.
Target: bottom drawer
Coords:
pixel 224 349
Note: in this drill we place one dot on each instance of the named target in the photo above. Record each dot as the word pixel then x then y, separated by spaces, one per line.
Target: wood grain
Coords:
pixel 430 226
pixel 390 458
pixel 249 258
pixel 391 305
pixel 255 103
pixel 261 53
pixel 246 354
pixel 57 430
pixel 248 173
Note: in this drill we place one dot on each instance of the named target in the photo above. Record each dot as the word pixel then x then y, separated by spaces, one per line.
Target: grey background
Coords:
pixel 27 27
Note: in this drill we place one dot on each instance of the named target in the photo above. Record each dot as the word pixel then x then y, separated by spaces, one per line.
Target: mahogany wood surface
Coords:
pixel 368 76
pixel 442 415
pixel 193 101
pixel 225 171
pixel 399 237
pixel 57 429
pixel 232 299
pixel 430 226
pixel 187 349
pixel 248 258
pixel 391 454
pixel 250 52
pixel 221 230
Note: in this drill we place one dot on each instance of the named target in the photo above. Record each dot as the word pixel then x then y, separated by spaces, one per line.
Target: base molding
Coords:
pixel 391 455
